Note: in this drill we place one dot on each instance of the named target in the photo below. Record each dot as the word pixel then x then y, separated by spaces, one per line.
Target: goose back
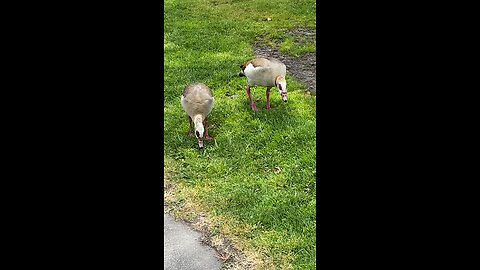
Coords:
pixel 197 99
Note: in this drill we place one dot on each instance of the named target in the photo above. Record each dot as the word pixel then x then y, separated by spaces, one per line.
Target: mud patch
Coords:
pixel 302 35
pixel 303 68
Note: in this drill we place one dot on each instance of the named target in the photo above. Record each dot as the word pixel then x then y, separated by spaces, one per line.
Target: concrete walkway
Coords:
pixel 182 249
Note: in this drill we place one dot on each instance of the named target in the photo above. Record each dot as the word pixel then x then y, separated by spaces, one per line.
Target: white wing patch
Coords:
pixel 248 70
pixel 257 75
pixel 251 71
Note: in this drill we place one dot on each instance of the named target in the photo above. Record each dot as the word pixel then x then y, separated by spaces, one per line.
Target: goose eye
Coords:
pixel 280 86
pixel 197 133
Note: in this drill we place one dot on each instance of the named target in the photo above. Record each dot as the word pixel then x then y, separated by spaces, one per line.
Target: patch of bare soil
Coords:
pixel 303 68
pixel 231 256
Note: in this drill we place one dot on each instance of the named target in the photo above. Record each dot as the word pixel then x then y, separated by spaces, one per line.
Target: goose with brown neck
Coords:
pixel 197 101
pixel 265 72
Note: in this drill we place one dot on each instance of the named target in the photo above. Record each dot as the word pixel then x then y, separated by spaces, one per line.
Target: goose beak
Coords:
pixel 200 144
pixel 284 97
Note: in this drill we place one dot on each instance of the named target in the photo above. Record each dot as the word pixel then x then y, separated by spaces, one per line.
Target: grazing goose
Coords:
pixel 197 101
pixel 265 72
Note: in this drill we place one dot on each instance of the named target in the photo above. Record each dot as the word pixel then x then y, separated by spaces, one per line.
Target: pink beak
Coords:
pixel 284 97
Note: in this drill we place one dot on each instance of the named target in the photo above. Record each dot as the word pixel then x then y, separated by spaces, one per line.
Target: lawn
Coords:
pixel 255 182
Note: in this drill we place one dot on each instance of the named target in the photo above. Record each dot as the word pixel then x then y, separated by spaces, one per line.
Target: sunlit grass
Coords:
pixel 258 175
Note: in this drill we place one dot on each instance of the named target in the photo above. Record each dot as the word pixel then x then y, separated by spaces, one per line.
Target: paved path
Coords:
pixel 182 249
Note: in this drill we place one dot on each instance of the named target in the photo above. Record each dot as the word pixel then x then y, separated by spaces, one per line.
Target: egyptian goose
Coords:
pixel 265 72
pixel 197 101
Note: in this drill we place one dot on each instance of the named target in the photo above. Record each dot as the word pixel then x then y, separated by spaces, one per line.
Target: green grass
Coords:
pixel 289 46
pixel 256 180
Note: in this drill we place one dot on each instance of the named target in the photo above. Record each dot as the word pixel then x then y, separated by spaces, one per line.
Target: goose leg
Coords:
pixel 268 98
pixel 252 103
pixel 190 128
pixel 208 138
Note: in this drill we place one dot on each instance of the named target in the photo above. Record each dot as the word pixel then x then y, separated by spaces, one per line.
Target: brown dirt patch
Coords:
pixel 228 253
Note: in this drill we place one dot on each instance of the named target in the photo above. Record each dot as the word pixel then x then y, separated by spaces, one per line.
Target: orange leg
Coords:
pixel 268 98
pixel 252 103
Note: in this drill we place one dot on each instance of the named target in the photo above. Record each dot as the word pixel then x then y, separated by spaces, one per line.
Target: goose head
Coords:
pixel 281 84
pixel 199 129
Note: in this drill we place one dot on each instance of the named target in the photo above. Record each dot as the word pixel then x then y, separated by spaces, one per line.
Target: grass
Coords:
pixel 289 46
pixel 256 180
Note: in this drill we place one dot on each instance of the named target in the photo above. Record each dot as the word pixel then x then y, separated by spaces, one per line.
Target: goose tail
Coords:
pixel 241 74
